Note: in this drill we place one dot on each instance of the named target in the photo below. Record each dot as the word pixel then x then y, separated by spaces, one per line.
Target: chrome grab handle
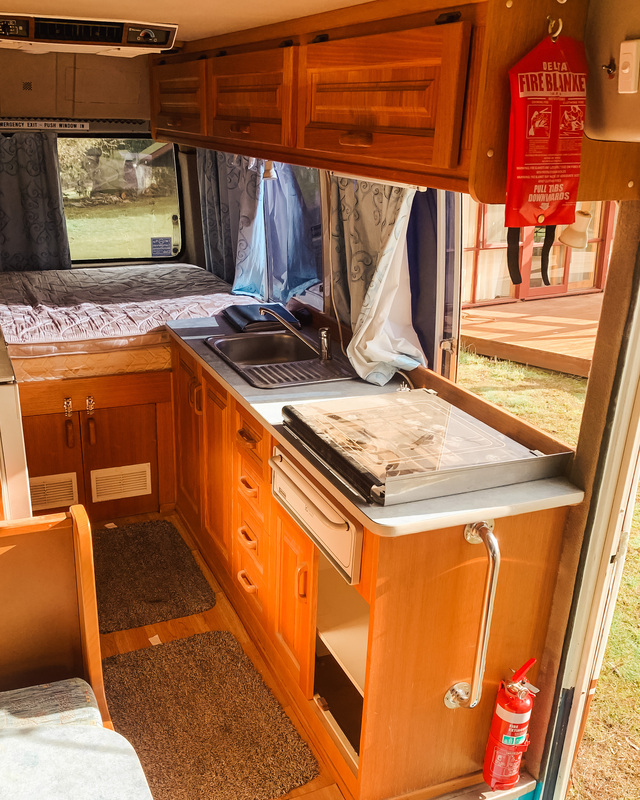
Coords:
pixel 463 695
pixel 275 463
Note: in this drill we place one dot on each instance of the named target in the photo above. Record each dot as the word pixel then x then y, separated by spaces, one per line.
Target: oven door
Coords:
pixel 339 537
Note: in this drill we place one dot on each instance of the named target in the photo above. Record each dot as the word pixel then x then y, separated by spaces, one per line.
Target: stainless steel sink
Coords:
pixel 272 359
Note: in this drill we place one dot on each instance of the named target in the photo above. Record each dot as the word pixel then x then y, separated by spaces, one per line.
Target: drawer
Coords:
pixel 251 584
pixel 250 538
pixel 251 489
pixel 251 441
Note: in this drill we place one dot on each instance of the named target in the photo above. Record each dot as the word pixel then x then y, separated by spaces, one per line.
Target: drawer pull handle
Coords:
pixel 176 122
pixel 246 439
pixel 356 139
pixel 302 574
pixel 71 439
pixel 191 391
pixel 461 694
pixel 197 399
pixel 245 582
pixel 240 127
pixel 91 422
pixel 275 463
pixel 247 488
pixel 245 539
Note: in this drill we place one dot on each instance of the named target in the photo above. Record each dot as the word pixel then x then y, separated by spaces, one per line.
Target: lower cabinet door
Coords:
pixel 54 459
pixel 295 596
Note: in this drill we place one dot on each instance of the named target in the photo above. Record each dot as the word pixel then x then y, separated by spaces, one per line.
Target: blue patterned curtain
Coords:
pixel 232 200
pixel 370 276
pixel 33 233
pixel 293 223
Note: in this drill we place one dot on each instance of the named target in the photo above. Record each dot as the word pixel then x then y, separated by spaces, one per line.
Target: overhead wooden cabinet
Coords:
pixel 392 98
pixel 252 97
pixel 178 99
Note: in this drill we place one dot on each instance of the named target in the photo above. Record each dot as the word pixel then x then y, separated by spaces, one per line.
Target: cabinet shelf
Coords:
pixel 343 623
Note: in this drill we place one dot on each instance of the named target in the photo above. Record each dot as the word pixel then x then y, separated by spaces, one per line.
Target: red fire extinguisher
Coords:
pixel 508 738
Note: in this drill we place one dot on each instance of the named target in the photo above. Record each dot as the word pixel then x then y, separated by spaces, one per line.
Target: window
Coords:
pixel 485 273
pixel 120 198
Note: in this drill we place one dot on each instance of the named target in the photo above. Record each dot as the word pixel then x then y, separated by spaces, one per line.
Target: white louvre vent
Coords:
pixel 54 491
pixel 117 482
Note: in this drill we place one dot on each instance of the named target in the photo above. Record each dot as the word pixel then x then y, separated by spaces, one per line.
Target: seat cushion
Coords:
pixel 69 762
pixel 61 703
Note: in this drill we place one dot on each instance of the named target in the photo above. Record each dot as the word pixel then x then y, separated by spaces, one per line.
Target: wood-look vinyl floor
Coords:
pixel 220 617
pixel 555 333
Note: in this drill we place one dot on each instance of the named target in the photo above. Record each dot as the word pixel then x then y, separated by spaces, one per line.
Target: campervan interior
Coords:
pixel 230 279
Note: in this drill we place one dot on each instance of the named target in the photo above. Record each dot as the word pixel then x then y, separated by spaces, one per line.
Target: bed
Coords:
pixel 83 323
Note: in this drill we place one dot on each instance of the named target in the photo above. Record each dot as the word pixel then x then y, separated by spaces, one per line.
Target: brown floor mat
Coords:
pixel 203 722
pixel 145 573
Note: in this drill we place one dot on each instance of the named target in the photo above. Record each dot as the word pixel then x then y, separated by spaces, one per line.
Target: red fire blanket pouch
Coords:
pixel 548 91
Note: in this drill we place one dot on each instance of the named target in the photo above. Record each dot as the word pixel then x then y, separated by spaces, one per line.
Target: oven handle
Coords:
pixel 276 464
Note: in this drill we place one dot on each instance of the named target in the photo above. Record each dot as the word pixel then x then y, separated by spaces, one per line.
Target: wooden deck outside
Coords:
pixel 556 333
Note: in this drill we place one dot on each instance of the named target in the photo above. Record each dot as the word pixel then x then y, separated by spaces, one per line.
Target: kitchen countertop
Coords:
pixel 392 520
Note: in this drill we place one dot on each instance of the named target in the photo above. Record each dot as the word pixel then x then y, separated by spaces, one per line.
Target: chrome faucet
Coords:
pixel 323 352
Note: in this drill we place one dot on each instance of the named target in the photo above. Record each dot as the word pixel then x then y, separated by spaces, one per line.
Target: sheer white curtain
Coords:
pixel 370 275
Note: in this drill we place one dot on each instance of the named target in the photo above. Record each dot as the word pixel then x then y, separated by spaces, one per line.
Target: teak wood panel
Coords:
pixel 117 437
pixel 49 621
pixel 179 97
pixel 393 96
pixel 188 431
pixel 294 596
pixel 252 97
pixel 53 446
pixel 109 391
pixel 423 638
pixel 217 459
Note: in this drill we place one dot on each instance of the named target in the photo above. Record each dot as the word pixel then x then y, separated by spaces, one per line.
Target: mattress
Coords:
pixel 102 321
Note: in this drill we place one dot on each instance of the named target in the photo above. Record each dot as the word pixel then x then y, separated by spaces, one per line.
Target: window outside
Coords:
pixel 120 198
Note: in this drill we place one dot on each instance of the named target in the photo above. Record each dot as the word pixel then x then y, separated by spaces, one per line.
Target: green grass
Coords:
pixel 551 401
pixel 608 764
pixel 122 230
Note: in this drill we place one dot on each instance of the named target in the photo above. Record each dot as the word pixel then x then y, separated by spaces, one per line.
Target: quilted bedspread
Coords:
pixel 106 302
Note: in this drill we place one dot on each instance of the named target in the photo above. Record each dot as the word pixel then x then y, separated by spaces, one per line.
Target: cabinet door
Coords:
pixel 295 597
pixel 120 455
pixel 390 99
pixel 252 97
pixel 54 449
pixel 216 500
pixel 179 99
pixel 187 429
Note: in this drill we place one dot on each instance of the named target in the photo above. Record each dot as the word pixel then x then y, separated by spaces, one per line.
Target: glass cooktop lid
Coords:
pixel 407 433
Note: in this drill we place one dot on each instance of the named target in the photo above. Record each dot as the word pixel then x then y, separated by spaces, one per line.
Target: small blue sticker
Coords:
pixel 161 246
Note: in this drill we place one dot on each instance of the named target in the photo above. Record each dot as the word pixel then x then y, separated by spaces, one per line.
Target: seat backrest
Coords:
pixel 49 617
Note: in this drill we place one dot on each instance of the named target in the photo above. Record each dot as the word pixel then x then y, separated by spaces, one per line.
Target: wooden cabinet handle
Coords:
pixel 245 581
pixel 240 127
pixel 356 139
pixel 246 439
pixel 69 433
pixel 197 399
pixel 191 390
pixel 175 122
pixel 91 423
pixel 245 539
pixel 247 487
pixel 301 581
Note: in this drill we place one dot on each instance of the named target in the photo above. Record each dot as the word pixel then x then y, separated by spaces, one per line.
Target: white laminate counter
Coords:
pixel 393 520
